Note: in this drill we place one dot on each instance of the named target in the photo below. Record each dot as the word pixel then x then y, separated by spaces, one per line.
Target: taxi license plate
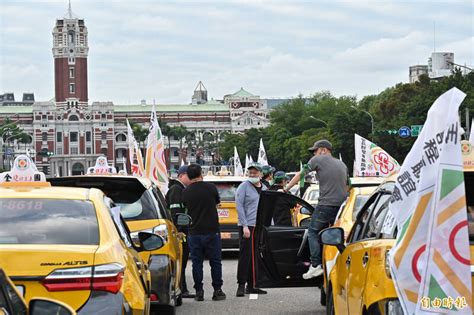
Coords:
pixel 226 236
pixel 223 213
pixel 21 290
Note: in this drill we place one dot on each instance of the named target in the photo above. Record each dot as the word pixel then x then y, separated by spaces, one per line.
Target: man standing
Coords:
pixel 174 199
pixel 332 176
pixel 267 179
pixel 201 199
pixel 247 198
pixel 282 208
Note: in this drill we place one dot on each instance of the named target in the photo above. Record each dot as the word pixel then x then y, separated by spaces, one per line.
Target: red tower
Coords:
pixel 70 50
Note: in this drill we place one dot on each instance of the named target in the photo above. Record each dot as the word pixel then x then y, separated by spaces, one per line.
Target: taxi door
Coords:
pixel 280 251
pixel 359 253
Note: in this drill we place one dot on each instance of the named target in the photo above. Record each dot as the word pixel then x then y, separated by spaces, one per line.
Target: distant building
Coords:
pixel 8 99
pixel 417 71
pixel 68 132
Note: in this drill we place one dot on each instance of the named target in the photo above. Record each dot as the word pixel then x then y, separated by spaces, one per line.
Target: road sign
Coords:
pixel 9 151
pixel 415 130
pixel 404 132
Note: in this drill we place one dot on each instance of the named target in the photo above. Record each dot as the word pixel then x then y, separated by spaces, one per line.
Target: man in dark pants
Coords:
pixel 333 179
pixel 247 198
pixel 201 199
pixel 174 199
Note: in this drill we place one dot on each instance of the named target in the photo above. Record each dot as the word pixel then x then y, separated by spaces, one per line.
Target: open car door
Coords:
pixel 280 252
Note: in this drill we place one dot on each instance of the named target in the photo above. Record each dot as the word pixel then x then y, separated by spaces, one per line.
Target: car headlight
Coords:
pixel 393 307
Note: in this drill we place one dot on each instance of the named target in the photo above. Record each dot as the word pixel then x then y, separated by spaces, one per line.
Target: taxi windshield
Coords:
pixel 469 184
pixel 48 221
pixel 227 191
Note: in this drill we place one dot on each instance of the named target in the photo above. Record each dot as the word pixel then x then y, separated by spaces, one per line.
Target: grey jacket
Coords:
pixel 246 199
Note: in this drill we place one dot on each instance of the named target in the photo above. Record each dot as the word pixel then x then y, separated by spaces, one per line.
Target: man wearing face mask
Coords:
pixel 247 198
pixel 333 179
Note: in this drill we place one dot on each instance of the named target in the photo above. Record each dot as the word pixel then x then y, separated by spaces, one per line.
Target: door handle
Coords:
pixel 365 259
pixel 348 261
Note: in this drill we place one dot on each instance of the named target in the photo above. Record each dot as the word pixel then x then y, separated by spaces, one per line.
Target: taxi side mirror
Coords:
pixel 150 241
pixel 47 306
pixel 182 219
pixel 306 211
pixel 333 236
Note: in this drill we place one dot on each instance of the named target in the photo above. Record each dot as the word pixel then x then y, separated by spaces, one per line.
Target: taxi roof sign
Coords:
pixel 101 167
pixel 23 171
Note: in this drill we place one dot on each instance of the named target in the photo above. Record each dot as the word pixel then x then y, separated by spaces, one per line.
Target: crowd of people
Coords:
pixel 191 195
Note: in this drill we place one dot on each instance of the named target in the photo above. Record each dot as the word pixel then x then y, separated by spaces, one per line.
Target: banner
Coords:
pixel 238 171
pixel 155 168
pixel 262 155
pixel 471 135
pixel 134 154
pixel 430 263
pixel 372 160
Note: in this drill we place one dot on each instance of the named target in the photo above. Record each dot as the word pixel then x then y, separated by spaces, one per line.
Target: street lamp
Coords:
pixel 371 117
pixel 317 119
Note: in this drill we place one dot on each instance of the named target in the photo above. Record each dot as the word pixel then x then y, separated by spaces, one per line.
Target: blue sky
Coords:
pixel 160 49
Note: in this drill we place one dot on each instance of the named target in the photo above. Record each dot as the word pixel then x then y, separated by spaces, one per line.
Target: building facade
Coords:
pixel 69 132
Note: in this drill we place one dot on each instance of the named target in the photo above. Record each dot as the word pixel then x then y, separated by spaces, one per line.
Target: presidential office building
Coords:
pixel 69 131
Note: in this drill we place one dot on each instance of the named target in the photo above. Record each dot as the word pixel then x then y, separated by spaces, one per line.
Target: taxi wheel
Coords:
pixel 330 302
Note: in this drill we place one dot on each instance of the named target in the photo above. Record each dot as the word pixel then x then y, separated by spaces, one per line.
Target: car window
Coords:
pixel 377 217
pixel 283 210
pixel 143 208
pixel 227 190
pixel 358 204
pixel 48 221
pixel 363 217
pixel 120 226
pixel 161 204
pixel 469 185
pixel 313 195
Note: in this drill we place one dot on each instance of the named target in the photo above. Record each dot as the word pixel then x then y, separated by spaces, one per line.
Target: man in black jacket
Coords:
pixel 201 200
pixel 282 213
pixel 174 199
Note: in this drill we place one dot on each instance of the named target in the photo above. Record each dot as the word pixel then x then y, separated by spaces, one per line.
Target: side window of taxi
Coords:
pixel 8 293
pixel 118 222
pixel 162 206
pixel 362 218
pixel 376 220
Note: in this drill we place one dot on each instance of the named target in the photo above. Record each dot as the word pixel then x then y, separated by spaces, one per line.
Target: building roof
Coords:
pixel 23 109
pixel 242 93
pixel 211 106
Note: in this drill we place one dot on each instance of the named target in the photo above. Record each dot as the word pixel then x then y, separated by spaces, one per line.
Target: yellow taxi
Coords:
pixel 70 244
pixel 144 209
pixel 227 209
pixel 359 282
pixel 11 302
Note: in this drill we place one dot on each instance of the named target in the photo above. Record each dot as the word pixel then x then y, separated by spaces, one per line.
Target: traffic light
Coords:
pixel 46 153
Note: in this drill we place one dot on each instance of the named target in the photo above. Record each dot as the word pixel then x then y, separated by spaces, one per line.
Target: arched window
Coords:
pixel 103 135
pixel 70 37
pixel 121 138
pixel 103 151
pixel 73 118
pixel 44 136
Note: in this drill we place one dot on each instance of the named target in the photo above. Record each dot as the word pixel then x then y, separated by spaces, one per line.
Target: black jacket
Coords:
pixel 282 213
pixel 174 199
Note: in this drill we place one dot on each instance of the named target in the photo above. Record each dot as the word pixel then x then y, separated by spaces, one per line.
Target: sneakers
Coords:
pixel 240 290
pixel 218 295
pixel 313 272
pixel 199 295
pixel 187 295
pixel 254 291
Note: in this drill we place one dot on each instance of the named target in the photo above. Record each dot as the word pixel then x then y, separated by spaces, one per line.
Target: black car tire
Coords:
pixel 330 302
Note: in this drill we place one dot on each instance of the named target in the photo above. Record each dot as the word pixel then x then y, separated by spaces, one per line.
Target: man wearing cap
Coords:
pixel 267 179
pixel 282 211
pixel 333 178
pixel 247 198
pixel 174 199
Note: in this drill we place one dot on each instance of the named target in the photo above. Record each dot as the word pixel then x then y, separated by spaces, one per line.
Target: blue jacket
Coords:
pixel 246 199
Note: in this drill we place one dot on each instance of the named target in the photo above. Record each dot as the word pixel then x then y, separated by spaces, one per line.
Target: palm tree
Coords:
pixel 180 132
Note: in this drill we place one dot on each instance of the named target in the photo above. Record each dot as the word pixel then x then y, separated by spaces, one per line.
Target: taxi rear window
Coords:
pixel 227 190
pixel 469 183
pixel 48 221
pixel 143 208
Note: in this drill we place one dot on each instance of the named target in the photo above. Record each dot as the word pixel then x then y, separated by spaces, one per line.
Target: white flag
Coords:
pixel 250 159
pixel 262 155
pixel 372 160
pixel 134 154
pixel 471 135
pixel 430 263
pixel 238 171
pixel 155 168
